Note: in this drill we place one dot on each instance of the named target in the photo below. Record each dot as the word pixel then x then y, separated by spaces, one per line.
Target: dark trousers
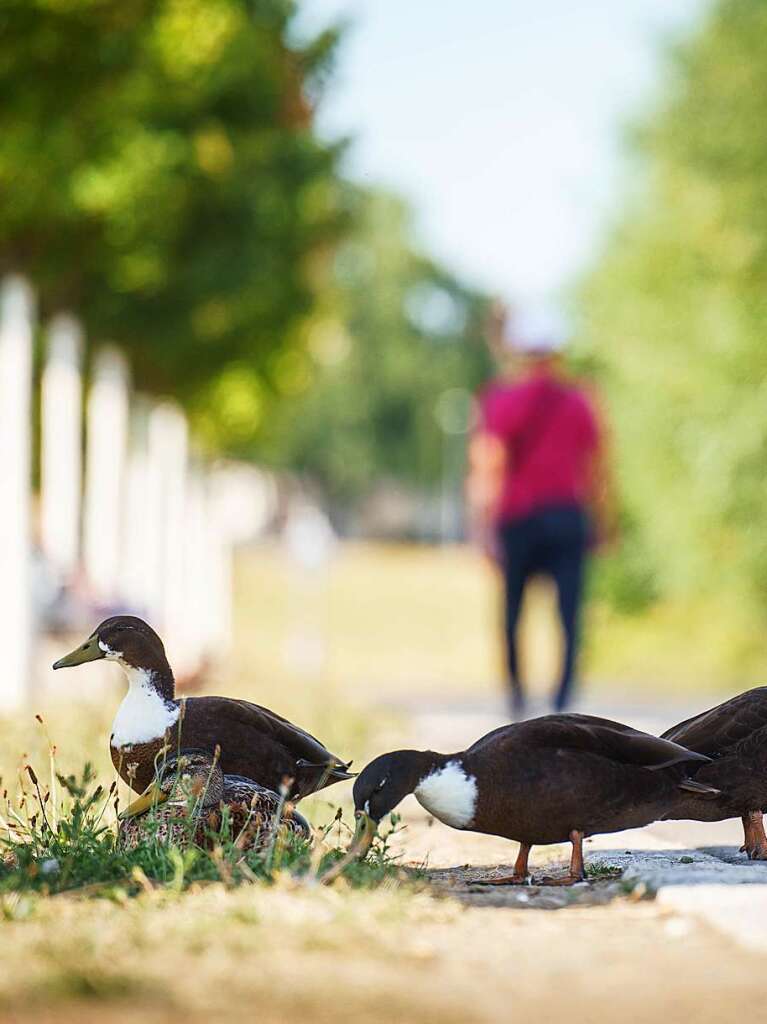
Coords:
pixel 551 542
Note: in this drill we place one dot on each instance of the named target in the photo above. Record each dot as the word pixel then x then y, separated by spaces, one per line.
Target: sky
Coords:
pixel 500 120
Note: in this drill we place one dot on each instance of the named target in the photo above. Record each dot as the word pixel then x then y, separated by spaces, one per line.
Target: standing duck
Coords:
pixel 255 743
pixel 734 735
pixel 187 798
pixel 549 780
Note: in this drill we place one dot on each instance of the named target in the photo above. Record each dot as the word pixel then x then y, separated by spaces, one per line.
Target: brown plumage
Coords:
pixel 253 741
pixel 550 780
pixel 186 802
pixel 734 735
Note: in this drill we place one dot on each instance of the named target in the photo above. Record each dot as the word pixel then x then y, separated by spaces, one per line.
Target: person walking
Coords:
pixel 538 489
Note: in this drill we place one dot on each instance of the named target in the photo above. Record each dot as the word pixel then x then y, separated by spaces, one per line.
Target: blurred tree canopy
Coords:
pixel 164 182
pixel 676 312
pixel 391 367
pixel 161 179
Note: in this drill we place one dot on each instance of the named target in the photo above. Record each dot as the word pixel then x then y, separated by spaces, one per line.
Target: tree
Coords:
pixel 402 338
pixel 676 313
pixel 162 179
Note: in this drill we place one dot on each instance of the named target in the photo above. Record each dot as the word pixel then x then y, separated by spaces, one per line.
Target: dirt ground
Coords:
pixel 442 962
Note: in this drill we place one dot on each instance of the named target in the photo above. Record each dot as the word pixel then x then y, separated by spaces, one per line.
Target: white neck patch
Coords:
pixel 143 715
pixel 449 794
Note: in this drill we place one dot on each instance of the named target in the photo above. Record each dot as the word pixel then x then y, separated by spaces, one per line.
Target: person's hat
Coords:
pixel 536 333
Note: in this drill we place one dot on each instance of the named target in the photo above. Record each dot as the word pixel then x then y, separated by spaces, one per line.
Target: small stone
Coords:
pixel 49 867
pixel 686 860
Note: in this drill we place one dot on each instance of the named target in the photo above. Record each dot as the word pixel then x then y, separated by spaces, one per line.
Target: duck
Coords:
pixel 734 735
pixel 554 779
pixel 185 802
pixel 254 742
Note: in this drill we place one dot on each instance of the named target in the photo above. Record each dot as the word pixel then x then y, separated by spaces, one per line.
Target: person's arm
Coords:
pixel 484 482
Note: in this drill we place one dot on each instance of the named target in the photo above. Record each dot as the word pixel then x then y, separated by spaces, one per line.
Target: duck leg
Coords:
pixel 577 871
pixel 754 838
pixel 521 874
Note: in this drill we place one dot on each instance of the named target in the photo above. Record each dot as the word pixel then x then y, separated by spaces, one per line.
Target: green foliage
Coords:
pixel 401 333
pixel 52 844
pixel 165 183
pixel 675 313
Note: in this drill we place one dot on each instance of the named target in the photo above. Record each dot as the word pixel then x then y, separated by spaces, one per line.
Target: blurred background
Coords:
pixel 249 247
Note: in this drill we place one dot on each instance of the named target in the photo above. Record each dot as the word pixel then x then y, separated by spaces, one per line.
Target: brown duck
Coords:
pixel 185 803
pixel 549 780
pixel 734 736
pixel 254 742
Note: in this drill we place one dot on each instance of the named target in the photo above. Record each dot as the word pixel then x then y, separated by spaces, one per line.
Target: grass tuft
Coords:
pixel 63 838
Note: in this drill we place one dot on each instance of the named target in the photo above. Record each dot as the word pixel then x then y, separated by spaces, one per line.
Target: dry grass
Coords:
pixel 335 955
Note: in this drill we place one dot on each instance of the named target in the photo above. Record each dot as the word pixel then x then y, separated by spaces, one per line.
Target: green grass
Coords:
pixel 62 837
pixel 602 872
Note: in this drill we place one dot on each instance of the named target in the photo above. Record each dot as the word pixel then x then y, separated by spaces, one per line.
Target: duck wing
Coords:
pixel 717 730
pixel 301 744
pixel 262 743
pixel 612 740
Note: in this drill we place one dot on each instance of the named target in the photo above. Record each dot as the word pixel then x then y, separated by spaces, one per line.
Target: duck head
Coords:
pixel 189 779
pixel 125 639
pixel 379 787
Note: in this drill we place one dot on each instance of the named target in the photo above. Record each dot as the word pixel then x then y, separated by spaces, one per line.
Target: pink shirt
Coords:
pixel 550 431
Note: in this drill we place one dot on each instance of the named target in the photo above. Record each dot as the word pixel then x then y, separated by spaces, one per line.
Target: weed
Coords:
pixel 602 872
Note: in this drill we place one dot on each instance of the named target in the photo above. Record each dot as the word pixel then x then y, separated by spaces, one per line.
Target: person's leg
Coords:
pixel 514 556
pixel 566 563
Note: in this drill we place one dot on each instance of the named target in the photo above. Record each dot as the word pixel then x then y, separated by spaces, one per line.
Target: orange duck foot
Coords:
pixel 755 852
pixel 559 880
pixel 755 840
pixel 514 879
pixel 521 875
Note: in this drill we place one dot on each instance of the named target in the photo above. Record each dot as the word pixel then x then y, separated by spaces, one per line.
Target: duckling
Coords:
pixel 734 734
pixel 549 780
pixel 188 796
pixel 255 743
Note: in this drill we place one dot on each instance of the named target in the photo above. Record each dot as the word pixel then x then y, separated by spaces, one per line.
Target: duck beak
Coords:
pixel 358 848
pixel 89 651
pixel 151 797
pixel 363 836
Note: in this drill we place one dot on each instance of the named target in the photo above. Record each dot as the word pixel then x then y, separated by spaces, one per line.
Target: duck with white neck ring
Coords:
pixel 254 742
pixel 554 779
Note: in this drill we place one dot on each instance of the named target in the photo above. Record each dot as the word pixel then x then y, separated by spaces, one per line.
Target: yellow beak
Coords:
pixel 358 848
pixel 151 797
pixel 89 651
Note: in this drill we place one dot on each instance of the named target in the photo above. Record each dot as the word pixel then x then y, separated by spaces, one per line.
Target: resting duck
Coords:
pixel 190 786
pixel 254 742
pixel 549 780
pixel 734 735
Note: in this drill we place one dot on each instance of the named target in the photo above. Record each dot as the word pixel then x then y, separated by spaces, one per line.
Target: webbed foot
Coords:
pixel 755 840
pixel 568 879
pixel 514 879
